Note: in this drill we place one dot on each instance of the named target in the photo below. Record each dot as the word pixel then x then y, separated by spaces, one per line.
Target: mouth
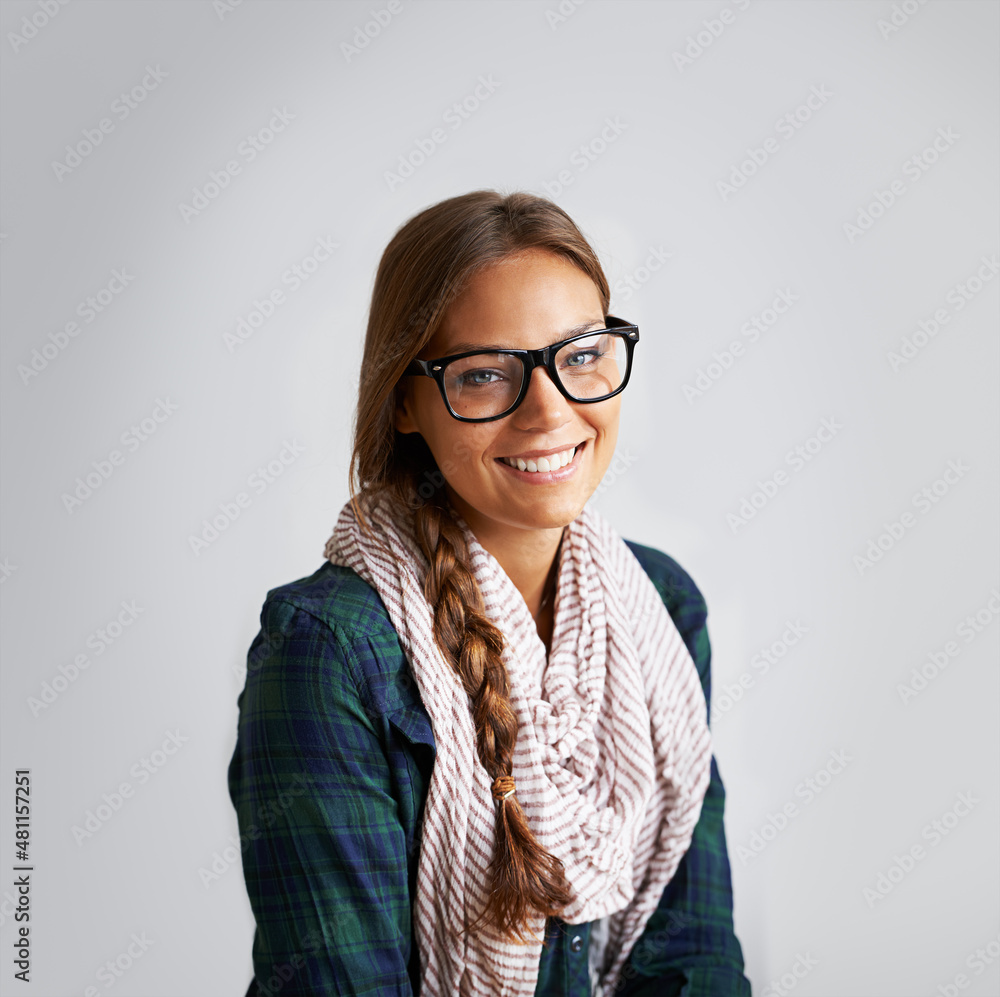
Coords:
pixel 540 462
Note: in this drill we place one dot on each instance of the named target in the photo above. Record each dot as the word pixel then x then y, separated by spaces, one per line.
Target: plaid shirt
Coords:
pixel 329 776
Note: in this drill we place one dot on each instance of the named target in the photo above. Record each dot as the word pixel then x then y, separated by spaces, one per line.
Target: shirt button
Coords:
pixel 576 944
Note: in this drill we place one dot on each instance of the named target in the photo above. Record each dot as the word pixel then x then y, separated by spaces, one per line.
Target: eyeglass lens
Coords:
pixel 487 384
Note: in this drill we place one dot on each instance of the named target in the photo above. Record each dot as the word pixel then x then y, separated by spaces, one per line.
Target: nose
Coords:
pixel 544 406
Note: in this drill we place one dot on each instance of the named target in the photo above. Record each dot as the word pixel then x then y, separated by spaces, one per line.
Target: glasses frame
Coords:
pixel 530 359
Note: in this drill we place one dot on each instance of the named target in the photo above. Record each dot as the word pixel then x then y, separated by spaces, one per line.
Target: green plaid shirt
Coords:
pixel 329 776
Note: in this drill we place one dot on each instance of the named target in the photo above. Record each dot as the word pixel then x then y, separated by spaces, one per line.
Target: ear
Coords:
pixel 403 416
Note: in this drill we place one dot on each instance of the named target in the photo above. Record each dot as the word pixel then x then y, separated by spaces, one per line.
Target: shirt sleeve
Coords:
pixel 324 850
pixel 689 947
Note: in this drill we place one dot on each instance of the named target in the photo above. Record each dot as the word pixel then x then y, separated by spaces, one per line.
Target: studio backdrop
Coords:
pixel 796 202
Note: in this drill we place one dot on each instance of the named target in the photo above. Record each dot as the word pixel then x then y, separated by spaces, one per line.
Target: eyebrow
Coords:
pixel 466 347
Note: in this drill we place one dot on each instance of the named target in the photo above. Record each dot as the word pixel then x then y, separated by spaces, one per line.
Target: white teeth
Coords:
pixel 551 463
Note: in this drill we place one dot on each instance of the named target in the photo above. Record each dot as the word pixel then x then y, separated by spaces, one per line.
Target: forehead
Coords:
pixel 524 302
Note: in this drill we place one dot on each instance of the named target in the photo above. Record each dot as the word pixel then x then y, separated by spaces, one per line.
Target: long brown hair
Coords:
pixel 425 267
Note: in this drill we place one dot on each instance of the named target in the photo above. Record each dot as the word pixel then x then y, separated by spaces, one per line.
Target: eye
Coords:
pixel 480 376
pixel 581 358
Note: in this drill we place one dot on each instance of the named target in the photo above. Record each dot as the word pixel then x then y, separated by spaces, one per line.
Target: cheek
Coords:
pixel 458 452
pixel 607 427
pixel 606 422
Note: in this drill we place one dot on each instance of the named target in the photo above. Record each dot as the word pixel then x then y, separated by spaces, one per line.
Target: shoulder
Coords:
pixel 675 584
pixel 677 588
pixel 326 627
pixel 335 596
pixel 685 604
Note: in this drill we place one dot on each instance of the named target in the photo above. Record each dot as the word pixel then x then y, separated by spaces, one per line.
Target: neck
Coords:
pixel 529 561
pixel 528 558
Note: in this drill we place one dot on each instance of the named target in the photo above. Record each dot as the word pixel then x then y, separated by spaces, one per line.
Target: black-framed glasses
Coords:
pixel 483 385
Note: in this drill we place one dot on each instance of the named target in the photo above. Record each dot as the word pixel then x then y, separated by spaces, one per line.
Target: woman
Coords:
pixel 473 753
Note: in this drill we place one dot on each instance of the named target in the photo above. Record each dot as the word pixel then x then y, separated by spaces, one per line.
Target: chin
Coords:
pixel 541 513
pixel 552 517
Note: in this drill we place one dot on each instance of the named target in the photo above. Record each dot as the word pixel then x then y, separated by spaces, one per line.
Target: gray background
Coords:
pixel 684 463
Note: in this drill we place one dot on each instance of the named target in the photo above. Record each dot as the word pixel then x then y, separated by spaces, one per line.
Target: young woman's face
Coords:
pixel 526 302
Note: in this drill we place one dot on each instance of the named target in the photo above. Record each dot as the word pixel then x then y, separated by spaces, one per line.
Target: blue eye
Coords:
pixel 582 357
pixel 480 377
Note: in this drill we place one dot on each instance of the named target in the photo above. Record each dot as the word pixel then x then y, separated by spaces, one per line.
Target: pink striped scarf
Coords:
pixel 612 757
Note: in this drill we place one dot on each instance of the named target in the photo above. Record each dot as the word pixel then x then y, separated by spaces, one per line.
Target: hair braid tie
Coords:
pixel 503 786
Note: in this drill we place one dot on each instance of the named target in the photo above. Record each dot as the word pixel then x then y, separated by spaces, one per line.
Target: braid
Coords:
pixel 524 877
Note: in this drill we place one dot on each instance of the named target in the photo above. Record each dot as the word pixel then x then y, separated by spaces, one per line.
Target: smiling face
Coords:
pixel 525 302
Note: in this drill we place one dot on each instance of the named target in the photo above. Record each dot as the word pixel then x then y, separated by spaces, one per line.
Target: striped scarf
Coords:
pixel 612 758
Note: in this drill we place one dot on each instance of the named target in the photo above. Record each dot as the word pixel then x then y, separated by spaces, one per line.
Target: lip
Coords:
pixel 532 454
pixel 545 477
